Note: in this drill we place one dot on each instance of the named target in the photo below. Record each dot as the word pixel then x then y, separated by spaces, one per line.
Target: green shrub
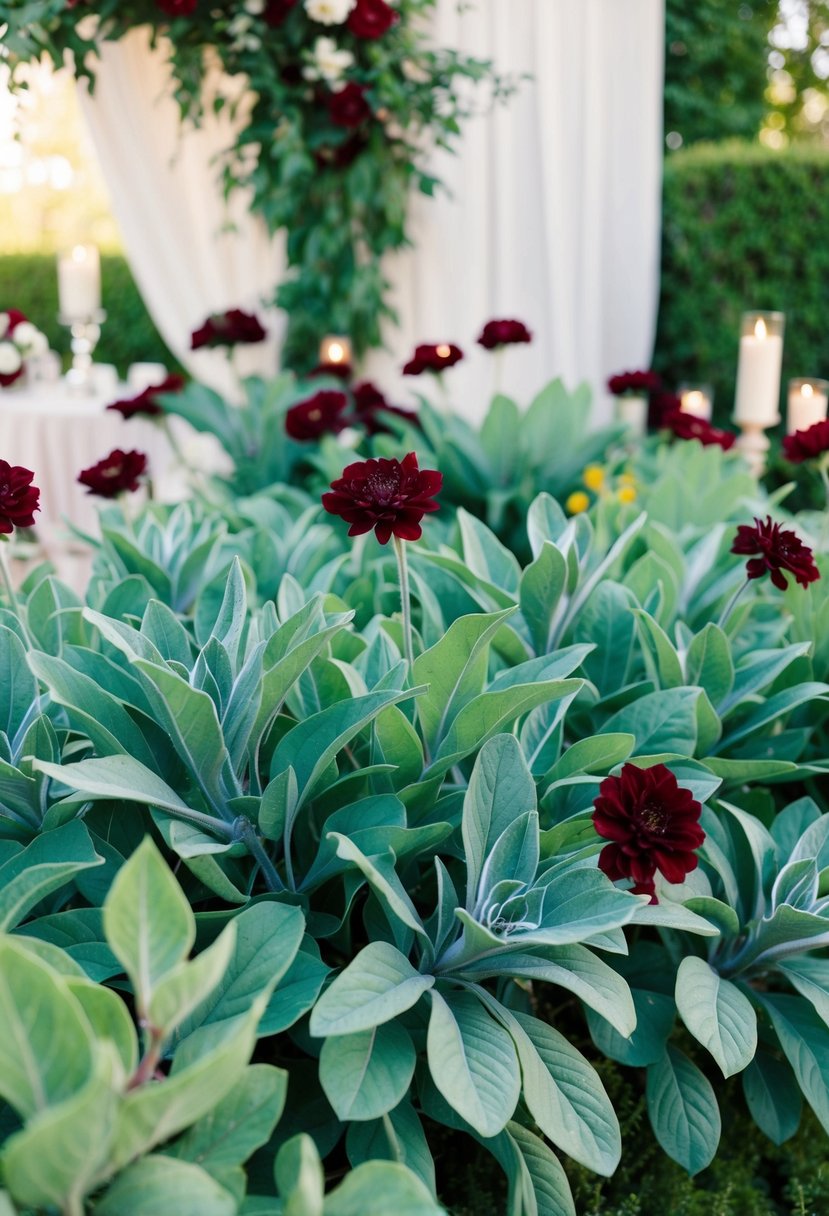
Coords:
pixel 742 229
pixel 28 281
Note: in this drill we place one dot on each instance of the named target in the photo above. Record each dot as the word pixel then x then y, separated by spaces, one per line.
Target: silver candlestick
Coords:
pixel 85 333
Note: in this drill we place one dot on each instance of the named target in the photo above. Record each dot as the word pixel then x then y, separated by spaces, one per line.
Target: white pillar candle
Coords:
pixel 696 401
pixel 633 411
pixel 758 372
pixel 79 283
pixel 335 349
pixel 808 404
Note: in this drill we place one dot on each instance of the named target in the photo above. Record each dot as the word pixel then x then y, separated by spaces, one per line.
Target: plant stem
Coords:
pixel 405 600
pixel 823 469
pixel 729 608
pixel 247 833
pixel 14 603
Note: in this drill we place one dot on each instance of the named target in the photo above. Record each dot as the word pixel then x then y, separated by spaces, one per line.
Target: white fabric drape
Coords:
pixel 551 216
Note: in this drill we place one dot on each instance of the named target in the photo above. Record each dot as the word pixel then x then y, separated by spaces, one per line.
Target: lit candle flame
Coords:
pixel 760 330
pixel 444 351
pixel 694 399
pixel 808 390
pixel 79 253
pixel 336 353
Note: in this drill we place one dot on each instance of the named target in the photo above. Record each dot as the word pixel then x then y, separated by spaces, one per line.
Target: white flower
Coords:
pixel 327 61
pixel 10 360
pixel 254 7
pixel 414 71
pixel 240 25
pixel 4 323
pixel 29 339
pixel 329 12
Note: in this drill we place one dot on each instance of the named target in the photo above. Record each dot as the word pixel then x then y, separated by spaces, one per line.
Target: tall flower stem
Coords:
pixel 11 594
pixel 729 608
pixel 823 469
pixel 405 599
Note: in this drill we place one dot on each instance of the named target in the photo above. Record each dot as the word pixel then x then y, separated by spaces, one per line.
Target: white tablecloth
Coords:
pixel 55 434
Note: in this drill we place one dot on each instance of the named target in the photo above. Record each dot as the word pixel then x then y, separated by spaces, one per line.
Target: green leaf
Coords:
pixel 810 977
pixel 398 1136
pixel 55 1159
pixel 500 789
pixel 365 1075
pixel 299 1177
pixel 542 586
pixel 160 1184
pixel 661 659
pixel 538 1184
pixel 597 754
pixel 654 1022
pixel 662 721
pixel 187 985
pixel 48 863
pixel 19 686
pixel 709 664
pixel 46 1044
pixel 378 1188
pixel 805 1042
pixel 241 1123
pixel 473 1062
pixel 148 921
pixel 108 1016
pixel 773 1097
pixel 683 1111
pixel 717 1014
pixel 375 987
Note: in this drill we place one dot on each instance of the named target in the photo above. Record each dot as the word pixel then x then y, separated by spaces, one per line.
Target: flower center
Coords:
pixel 314 415
pixel 654 816
pixel 4 488
pixel 383 486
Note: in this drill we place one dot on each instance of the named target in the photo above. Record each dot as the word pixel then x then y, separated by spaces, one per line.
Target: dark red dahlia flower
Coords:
pixel 661 403
pixel 340 156
pixel 390 496
pixel 231 328
pixel 370 405
pixel 276 11
pixel 428 358
pixel 146 402
pixel 371 18
pixel 652 823
pixel 688 426
pixel 503 333
pixel 116 473
pixel 15 316
pixel 634 382
pixel 318 415
pixel 348 107
pixel 19 499
pixel 810 444
pixel 178 8
pixel 776 549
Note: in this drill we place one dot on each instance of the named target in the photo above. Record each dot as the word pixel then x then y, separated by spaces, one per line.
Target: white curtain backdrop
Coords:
pixel 551 215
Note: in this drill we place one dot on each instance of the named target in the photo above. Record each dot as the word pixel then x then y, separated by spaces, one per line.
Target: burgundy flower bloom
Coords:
pixel 809 444
pixel 371 18
pixel 178 8
pixel 145 402
pixel 15 316
pixel 503 333
pixel 688 426
pixel 19 499
pixel 660 404
pixel 342 371
pixel 340 156
pixel 390 496
pixel 231 328
pixel 776 549
pixel 117 472
pixel 318 415
pixel 370 405
pixel 437 358
pixel 652 823
pixel 276 11
pixel 348 107
pixel 634 382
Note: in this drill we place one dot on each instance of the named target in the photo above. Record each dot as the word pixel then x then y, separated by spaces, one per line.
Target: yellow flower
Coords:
pixel 593 477
pixel 577 502
pixel 627 494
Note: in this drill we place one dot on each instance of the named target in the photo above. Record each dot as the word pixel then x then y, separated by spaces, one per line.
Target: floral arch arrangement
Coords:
pixel 348 97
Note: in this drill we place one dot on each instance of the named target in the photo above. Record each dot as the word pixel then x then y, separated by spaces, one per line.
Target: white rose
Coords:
pixel 329 12
pixel 29 339
pixel 4 323
pixel 10 360
pixel 328 62
pixel 240 25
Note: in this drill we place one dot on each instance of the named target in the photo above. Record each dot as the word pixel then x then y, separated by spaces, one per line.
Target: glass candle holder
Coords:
pixel 757 399
pixel 85 333
pixel 697 399
pixel 79 283
pixel 808 401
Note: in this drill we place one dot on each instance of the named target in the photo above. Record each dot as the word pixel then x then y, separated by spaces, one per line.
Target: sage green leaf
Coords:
pixel 240 1124
pixel 776 706
pixel 297 990
pixel 773 1097
pixel 805 1042
pixel 398 1136
pixel 484 554
pixel 54 1160
pixel 187 985
pixel 46 1044
pixel 19 686
pixel 543 583
pixel 709 663
pixel 662 721
pixel 500 789
pixel 810 977
pixel 160 1184
pixel 597 754
pixel 48 863
pixel 365 1075
pixel 538 1185
pixel 473 1062
pixel 683 1111
pixel 299 1177
pixel 655 1014
pixel 378 1188
pixel 148 921
pixel 375 987
pixel 230 621
pixel 109 1018
pixel 565 1096
pixel 717 1013
pixel 661 659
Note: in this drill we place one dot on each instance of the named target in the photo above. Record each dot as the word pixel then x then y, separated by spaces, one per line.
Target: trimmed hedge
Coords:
pixel 28 281
pixel 744 228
